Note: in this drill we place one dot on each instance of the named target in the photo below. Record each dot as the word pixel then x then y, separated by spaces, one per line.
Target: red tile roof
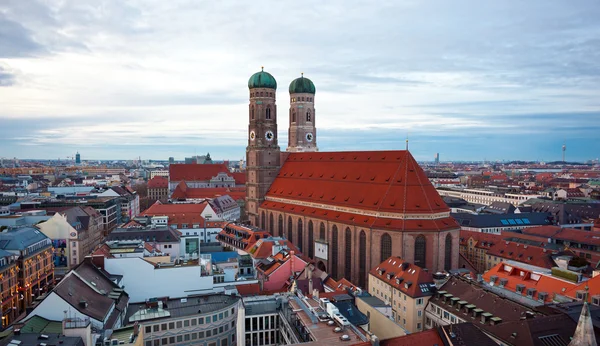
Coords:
pixel 426 338
pixel 543 231
pixel 579 236
pixel 533 255
pixel 158 182
pixel 263 248
pixel 592 284
pixel 516 276
pixel 482 240
pixel 403 276
pixel 180 214
pixel 381 181
pixel 182 191
pixel 196 172
pixel 248 290
pixel 240 178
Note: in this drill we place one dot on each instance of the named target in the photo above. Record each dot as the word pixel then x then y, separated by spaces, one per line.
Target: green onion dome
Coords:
pixel 302 86
pixel 262 79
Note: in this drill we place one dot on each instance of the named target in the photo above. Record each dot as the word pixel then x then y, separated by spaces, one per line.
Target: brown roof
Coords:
pixel 182 191
pixel 554 330
pixel 406 277
pixel 523 253
pixel 429 337
pixel 179 213
pixel 196 172
pixel 383 181
pixel 158 182
pixel 543 231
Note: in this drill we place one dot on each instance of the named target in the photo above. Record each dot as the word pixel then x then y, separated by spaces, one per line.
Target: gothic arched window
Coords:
pixel 334 252
pixel 290 235
pixel 386 247
pixel 300 235
pixel 252 113
pixel 362 258
pixel 263 222
pixel 448 253
pixel 280 225
pixel 308 117
pixel 348 254
pixel 271 224
pixel 311 239
pixel 322 232
pixel 268 113
pixel 420 251
pixel 294 116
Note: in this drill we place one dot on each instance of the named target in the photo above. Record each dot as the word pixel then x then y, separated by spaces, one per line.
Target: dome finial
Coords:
pixel 262 68
pixel 302 74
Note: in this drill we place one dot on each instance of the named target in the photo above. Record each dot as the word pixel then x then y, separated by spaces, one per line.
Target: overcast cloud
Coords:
pixel 471 80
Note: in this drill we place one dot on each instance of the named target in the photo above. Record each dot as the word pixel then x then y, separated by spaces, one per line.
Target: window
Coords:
pixel 201 320
pixel 322 231
pixel 308 117
pixel 280 225
pixel 148 329
pixel 348 253
pixel 300 235
pixel 386 247
pixel 268 113
pixel 172 325
pixel 186 323
pixel 293 116
pixel 448 253
pixel 311 246
pixel 163 327
pixel 419 313
pixel 252 113
pixel 290 234
pixel 418 325
pixel 179 338
pixel 178 324
pixel 214 318
pixel 271 224
pixel 420 251
pixel 334 252
pixel 446 315
pixel 362 258
pixel 419 301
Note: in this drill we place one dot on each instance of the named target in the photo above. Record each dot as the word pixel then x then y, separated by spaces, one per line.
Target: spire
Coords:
pixel 262 68
pixel 584 334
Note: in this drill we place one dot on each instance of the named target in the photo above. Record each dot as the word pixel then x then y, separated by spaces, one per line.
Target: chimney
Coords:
pixel 292 255
pixel 136 328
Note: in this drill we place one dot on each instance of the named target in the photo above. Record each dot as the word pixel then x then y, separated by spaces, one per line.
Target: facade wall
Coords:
pixel 402 244
pixel 9 290
pixel 379 324
pixel 407 311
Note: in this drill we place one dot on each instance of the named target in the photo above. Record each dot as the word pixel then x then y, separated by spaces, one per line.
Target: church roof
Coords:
pixel 341 185
pixel 196 172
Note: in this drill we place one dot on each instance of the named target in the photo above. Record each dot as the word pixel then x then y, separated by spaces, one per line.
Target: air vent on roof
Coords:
pixel 358 177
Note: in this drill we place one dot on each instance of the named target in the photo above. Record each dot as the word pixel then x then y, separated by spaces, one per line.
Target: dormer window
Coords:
pixel 520 288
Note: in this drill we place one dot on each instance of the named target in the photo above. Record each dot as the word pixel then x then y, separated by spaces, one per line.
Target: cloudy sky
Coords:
pixel 472 80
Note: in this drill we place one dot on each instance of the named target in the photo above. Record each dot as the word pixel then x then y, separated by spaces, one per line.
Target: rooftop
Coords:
pixel 178 307
pixel 406 277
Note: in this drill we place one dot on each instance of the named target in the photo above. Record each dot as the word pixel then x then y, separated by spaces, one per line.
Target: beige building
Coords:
pixel 406 288
pixel 379 314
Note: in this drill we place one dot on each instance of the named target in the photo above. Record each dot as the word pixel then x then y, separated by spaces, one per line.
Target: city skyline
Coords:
pixel 505 81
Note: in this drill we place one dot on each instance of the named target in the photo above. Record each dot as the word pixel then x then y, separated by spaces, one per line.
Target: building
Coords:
pixel 9 287
pixel 201 176
pixel 190 320
pixel 158 173
pixel 359 200
pixel 158 188
pixel 275 271
pixel 381 321
pixel 77 158
pixel 487 197
pixel 406 288
pixel 498 223
pixel 163 237
pixel 74 232
pixel 26 218
pixel 34 261
pixel 130 200
pixel 85 292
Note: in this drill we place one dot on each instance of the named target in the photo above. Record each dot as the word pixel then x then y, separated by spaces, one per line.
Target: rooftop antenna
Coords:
pixel 407 142
pixel 564 149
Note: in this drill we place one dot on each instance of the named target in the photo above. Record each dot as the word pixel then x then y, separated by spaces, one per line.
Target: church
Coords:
pixel 347 210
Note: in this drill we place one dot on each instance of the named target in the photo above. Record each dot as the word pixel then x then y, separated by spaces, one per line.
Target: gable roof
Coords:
pixel 196 172
pixel 380 181
pixel 533 255
pixel 406 277
pixel 178 213
pixel 158 182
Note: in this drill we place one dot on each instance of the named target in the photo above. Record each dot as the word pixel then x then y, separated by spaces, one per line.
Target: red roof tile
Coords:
pixel 579 236
pixel 426 338
pixel 382 181
pixel 249 290
pixel 403 276
pixel 543 231
pixel 240 178
pixel 182 191
pixel 518 276
pixel 523 253
pixel 592 284
pixel 196 172
pixel 179 213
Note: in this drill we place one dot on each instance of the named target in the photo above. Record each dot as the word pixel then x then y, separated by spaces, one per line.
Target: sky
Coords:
pixel 470 80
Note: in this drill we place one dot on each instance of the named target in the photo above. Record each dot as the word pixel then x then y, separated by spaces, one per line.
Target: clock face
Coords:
pixel 269 135
pixel 252 135
pixel 309 137
pixel 73 234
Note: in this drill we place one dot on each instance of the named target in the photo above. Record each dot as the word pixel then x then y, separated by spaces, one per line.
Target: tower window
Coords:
pixel 308 117
pixel 252 113
pixel 261 93
pixel 293 116
pixel 268 113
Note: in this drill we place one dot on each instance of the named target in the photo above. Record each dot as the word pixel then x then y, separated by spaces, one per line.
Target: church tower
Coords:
pixel 302 135
pixel 262 152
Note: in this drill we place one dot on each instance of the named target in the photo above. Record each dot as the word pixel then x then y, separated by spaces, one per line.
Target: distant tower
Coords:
pixel 564 149
pixel 171 160
pixel 77 159
pixel 302 135
pixel 262 152
pixel 437 158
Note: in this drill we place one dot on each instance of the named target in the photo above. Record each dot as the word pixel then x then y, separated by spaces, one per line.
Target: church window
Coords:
pixel 348 254
pixel 293 116
pixel 289 230
pixel 386 247
pixel 300 235
pixel 334 252
pixel 280 225
pixel 311 246
pixel 263 222
pixel 252 113
pixel 261 93
pixel 448 253
pixel 308 117
pixel 268 113
pixel 322 231
pixel 420 251
pixel 362 258
pixel 271 222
